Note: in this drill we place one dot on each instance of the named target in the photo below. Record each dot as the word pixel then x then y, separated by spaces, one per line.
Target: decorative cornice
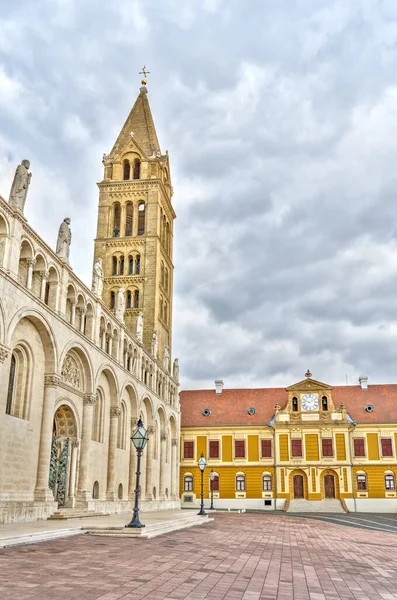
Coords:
pixel 163 436
pixel 89 399
pixel 115 412
pixel 126 279
pixel 134 423
pixel 117 242
pixel 4 352
pixel 174 442
pixel 150 430
pixel 51 380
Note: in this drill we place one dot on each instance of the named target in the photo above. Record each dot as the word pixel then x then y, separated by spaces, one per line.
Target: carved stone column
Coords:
pixel 174 469
pixel 115 412
pixel 29 277
pixel 133 461
pixel 42 491
pixel 163 456
pixel 72 312
pixel 73 470
pixel 84 493
pixel 82 320
pixel 149 461
pixel 44 277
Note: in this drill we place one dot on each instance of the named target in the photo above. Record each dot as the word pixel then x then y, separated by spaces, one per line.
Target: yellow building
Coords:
pixel 310 446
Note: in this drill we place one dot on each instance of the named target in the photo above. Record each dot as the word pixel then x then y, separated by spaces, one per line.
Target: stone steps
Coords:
pixel 73 513
pixel 316 506
pixel 149 531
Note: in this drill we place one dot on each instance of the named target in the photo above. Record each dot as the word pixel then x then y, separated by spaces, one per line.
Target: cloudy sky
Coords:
pixel 280 118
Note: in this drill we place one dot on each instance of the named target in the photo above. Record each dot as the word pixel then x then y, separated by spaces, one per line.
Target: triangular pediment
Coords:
pixel 308 384
pixel 131 145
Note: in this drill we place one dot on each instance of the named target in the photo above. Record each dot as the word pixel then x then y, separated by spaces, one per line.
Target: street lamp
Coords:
pixel 202 464
pixel 139 439
pixel 212 477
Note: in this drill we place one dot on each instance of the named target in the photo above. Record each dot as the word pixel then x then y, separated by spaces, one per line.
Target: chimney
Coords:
pixel 218 386
pixel 363 381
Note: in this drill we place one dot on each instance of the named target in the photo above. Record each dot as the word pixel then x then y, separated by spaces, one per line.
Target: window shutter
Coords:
pixel 296 448
pixel 188 450
pixel 214 449
pixel 239 448
pixel 266 448
pixel 387 448
pixel 327 447
pixel 359 447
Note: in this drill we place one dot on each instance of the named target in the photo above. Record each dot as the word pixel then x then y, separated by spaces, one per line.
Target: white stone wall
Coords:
pixel 46 315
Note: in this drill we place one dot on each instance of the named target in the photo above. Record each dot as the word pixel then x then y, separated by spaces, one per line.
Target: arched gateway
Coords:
pixel 63 461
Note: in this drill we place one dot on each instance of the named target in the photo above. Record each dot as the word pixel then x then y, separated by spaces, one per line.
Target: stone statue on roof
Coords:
pixel 97 278
pixel 19 188
pixel 64 240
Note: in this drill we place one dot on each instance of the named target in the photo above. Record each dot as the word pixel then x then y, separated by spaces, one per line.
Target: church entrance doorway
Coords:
pixel 329 486
pixel 63 459
pixel 298 487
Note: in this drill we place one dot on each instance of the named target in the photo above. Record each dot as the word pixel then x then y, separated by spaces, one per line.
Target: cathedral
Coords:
pixel 80 366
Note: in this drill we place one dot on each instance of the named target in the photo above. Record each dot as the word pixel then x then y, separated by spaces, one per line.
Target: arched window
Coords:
pixel 114 265
pixel 267 483
pixel 95 491
pixel 188 483
pixel 362 482
pixel 137 168
pixel 18 393
pixel 240 483
pixel 141 219
pixel 162 274
pixel 128 299
pixel 116 220
pixel 129 211
pixel 126 170
pixel 168 243
pixel 165 312
pixel 295 404
pixel 136 299
pixel 47 293
pixel 11 382
pixel 390 483
pixel 215 484
pixel 112 299
pixel 97 418
pixel 137 265
pixel 130 265
pixel 120 492
pixel 122 265
pixel 324 402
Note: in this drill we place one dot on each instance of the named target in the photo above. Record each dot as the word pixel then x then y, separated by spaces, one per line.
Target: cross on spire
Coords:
pixel 145 74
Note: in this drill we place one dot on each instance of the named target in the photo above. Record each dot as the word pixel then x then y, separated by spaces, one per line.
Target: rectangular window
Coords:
pixel 188 484
pixel 296 448
pixel 214 448
pixel 239 448
pixel 362 482
pixel 389 482
pixel 327 447
pixel 266 448
pixel 267 483
pixel 387 447
pixel 359 447
pixel 188 449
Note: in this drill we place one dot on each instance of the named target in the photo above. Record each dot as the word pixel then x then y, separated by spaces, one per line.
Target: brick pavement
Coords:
pixel 235 557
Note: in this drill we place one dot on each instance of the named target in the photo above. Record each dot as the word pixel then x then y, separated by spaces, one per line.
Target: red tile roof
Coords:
pixel 231 406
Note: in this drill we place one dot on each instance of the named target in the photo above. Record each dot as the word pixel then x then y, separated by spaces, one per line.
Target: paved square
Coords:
pixel 248 556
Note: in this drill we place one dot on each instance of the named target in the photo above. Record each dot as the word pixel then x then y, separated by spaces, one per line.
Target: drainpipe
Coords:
pixel 274 466
pixel 351 464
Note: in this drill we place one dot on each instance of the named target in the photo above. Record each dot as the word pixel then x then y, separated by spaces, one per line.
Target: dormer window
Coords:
pixel 295 404
pixel 324 403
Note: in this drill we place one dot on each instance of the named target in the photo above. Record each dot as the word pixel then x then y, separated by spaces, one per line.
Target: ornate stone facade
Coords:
pixel 74 380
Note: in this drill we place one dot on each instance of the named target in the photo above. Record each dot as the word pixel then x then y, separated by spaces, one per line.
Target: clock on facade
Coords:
pixel 309 401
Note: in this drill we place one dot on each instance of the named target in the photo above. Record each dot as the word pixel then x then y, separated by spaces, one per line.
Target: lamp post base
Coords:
pixel 135 523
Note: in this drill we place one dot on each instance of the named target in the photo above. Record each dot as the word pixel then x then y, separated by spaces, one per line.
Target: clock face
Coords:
pixel 309 401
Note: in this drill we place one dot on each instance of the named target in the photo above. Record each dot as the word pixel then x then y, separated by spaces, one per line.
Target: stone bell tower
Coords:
pixel 135 226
